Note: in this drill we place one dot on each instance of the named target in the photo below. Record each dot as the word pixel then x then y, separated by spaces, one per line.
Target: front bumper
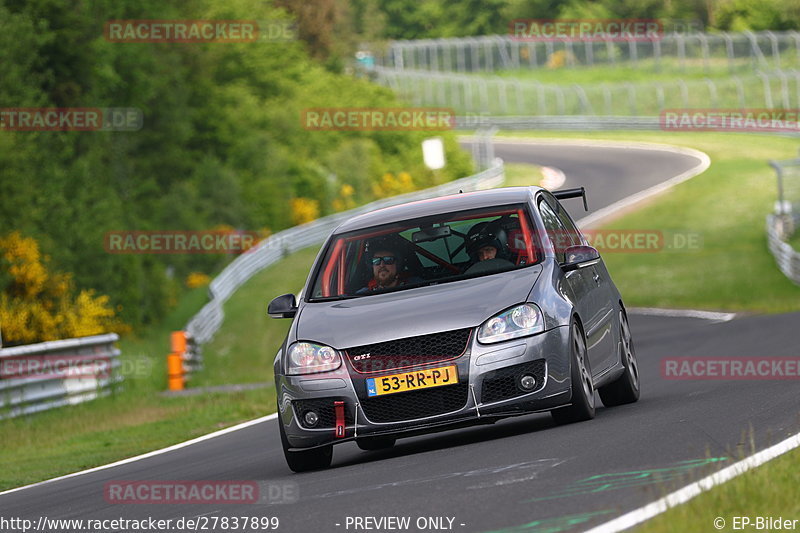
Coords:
pixel 487 376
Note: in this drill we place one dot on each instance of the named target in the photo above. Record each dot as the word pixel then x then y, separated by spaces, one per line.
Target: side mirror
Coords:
pixel 284 306
pixel 580 257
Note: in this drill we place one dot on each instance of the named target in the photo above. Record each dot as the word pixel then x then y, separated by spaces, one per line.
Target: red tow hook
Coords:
pixel 338 408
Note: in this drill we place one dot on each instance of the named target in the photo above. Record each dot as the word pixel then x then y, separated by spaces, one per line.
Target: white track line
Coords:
pixel 688 492
pixel 151 454
pixel 687 313
pixel 552 178
pixel 598 216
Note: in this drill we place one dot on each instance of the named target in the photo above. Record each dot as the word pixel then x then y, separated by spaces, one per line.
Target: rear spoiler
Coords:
pixel 580 192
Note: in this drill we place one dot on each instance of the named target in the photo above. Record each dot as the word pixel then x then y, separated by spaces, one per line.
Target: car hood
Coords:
pixel 420 311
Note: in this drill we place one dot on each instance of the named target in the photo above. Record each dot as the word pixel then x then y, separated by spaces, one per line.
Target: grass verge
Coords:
pixel 733 270
pixel 767 491
pixel 138 418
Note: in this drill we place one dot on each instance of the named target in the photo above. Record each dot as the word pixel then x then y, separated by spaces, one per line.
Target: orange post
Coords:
pixel 178 341
pixel 175 375
pixel 175 371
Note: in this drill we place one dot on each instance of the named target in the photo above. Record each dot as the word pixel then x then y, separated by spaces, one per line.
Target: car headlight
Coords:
pixel 519 321
pixel 309 358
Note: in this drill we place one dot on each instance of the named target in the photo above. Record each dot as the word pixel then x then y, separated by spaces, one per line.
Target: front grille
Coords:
pixel 324 409
pixel 502 384
pixel 415 404
pixel 402 353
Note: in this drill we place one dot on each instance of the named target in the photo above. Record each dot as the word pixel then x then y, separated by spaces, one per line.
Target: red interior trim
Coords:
pixel 326 276
pixel 526 234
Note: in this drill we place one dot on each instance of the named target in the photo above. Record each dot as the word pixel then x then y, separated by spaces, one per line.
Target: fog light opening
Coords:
pixel 527 382
pixel 311 418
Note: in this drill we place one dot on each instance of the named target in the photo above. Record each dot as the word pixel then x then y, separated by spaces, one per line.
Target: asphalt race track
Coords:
pixel 521 474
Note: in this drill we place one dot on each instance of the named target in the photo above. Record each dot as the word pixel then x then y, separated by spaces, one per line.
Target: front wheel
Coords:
pixel 582 407
pixel 313 459
pixel 624 389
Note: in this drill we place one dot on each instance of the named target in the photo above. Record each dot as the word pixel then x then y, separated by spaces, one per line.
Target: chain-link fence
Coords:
pixel 733 52
pixel 508 96
pixel 783 224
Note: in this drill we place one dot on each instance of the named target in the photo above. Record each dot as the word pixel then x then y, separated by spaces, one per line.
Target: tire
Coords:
pixel 375 443
pixel 582 407
pixel 313 459
pixel 624 389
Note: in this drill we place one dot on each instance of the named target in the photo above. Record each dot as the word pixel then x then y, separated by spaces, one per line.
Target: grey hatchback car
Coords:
pixel 443 313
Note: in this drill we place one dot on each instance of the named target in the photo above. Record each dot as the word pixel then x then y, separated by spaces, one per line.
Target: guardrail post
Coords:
pixel 175 372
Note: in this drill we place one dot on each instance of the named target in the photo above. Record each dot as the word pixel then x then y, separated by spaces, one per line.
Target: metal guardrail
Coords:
pixel 779 229
pixel 489 53
pixel 37 377
pixel 783 223
pixel 207 322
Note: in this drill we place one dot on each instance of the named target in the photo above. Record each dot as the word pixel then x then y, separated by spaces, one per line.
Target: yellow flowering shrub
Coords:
pixel 391 185
pixel 37 305
pixel 560 59
pixel 345 198
pixel 197 279
pixel 304 210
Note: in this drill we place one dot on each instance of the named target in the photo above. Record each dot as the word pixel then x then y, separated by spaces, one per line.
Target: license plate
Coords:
pixel 421 379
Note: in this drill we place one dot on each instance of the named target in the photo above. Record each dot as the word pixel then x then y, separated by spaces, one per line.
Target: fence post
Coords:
pixel 176 379
pixel 729 52
pixel 767 89
pixel 679 37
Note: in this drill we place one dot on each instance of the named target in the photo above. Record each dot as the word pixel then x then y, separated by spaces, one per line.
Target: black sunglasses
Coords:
pixel 387 260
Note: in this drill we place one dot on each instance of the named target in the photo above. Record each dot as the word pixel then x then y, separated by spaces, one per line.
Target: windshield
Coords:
pixel 426 251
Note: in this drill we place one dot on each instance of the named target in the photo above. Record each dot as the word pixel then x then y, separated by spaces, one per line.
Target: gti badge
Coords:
pixel 360 357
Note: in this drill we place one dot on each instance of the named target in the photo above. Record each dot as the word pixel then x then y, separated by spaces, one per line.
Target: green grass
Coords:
pixel 522 175
pixel 733 269
pixel 601 90
pixel 643 71
pixel 244 349
pixel 770 490
pixel 138 419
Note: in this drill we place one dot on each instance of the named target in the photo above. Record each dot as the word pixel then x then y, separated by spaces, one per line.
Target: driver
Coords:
pixel 387 268
pixel 384 269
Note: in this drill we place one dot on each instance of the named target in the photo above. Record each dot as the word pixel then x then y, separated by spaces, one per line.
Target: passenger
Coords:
pixel 486 249
pixel 483 243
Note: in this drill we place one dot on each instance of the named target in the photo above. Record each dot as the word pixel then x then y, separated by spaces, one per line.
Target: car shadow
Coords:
pixel 453 438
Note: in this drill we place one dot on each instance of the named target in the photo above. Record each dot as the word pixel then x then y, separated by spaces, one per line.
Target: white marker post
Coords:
pixel 433 153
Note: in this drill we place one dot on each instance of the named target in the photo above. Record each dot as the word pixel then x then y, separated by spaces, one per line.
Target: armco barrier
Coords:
pixel 783 224
pixel 37 377
pixel 779 227
pixel 205 324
